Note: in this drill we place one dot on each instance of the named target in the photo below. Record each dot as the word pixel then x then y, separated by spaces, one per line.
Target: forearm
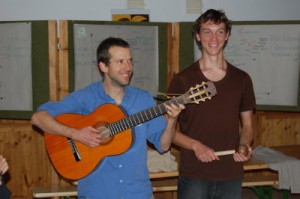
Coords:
pixel 247 136
pixel 168 134
pixel 202 152
pixel 50 125
pixel 185 141
pixel 247 131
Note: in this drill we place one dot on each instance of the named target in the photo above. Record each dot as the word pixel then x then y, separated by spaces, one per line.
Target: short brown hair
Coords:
pixel 216 16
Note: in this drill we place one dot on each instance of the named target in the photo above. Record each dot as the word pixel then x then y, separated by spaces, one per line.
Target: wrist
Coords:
pixel 195 145
pixel 71 134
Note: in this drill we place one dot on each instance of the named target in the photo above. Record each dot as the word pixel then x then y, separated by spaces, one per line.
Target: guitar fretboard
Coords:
pixel 142 116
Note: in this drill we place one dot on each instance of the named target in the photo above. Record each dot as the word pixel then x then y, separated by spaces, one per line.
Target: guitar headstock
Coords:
pixel 201 92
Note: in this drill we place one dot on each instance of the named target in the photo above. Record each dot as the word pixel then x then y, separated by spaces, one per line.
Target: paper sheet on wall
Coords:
pixel 15 67
pixel 143 41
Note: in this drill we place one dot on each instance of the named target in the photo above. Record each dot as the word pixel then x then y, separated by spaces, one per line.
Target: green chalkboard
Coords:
pixel 268 51
pixel 24 76
pixel 148 41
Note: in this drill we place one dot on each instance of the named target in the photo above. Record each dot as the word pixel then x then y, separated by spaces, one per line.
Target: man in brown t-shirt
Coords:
pixel 220 124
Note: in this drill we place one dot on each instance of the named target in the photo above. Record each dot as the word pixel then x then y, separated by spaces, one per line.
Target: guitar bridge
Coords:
pixel 74 150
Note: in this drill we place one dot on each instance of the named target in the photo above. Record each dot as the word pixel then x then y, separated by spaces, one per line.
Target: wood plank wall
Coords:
pixel 23 145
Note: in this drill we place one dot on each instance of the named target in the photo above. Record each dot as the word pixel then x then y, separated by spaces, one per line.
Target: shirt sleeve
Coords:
pixel 81 101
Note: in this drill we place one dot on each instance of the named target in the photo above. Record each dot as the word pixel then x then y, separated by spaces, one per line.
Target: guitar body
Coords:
pixel 74 160
pixel 61 151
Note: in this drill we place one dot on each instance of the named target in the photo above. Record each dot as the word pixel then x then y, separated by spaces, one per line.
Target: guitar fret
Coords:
pixel 158 111
pixel 134 123
pixel 124 125
pixel 111 129
pixel 127 126
pixel 142 116
pixel 121 126
pixel 116 130
pixel 150 112
pixel 134 120
pixel 147 116
pixel 131 122
pixel 138 119
pixel 160 108
pixel 118 127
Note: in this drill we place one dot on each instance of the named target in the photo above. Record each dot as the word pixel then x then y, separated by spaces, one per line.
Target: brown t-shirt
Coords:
pixel 214 122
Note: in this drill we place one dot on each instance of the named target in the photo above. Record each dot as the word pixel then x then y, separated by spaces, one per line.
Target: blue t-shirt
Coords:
pixel 124 176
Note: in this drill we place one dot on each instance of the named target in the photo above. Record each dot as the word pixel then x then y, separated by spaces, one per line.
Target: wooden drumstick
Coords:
pixel 242 149
pixel 228 152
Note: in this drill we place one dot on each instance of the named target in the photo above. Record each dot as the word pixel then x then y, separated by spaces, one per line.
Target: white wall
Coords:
pixel 160 10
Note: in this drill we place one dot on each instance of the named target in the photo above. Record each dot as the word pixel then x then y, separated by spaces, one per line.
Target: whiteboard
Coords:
pixel 270 53
pixel 15 67
pixel 24 71
pixel 271 56
pixel 143 42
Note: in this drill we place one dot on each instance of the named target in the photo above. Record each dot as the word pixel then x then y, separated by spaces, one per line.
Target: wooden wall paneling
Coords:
pixel 169 55
pixel 53 61
pixel 175 51
pixel 278 128
pixel 170 61
pixel 59 84
pixel 24 150
pixel 63 59
pixel 54 91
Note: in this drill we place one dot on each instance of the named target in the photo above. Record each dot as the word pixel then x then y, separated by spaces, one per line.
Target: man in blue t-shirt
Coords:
pixel 119 176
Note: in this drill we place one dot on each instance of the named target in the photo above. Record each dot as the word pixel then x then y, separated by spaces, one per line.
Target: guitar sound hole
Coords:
pixel 106 136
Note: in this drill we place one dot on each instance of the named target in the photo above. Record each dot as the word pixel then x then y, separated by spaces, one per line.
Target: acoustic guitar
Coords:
pixel 74 160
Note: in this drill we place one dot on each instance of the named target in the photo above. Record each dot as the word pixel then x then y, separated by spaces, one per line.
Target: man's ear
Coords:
pixel 227 36
pixel 198 37
pixel 102 67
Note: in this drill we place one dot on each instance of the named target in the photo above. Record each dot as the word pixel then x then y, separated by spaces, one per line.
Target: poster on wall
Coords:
pixel 130 15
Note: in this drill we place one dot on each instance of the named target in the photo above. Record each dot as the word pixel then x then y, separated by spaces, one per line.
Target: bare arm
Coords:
pixel 202 152
pixel 47 123
pixel 246 135
pixel 169 132
pixel 206 154
pixel 88 135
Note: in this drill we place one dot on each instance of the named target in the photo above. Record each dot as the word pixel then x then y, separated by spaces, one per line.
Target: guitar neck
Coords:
pixel 194 95
pixel 142 116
